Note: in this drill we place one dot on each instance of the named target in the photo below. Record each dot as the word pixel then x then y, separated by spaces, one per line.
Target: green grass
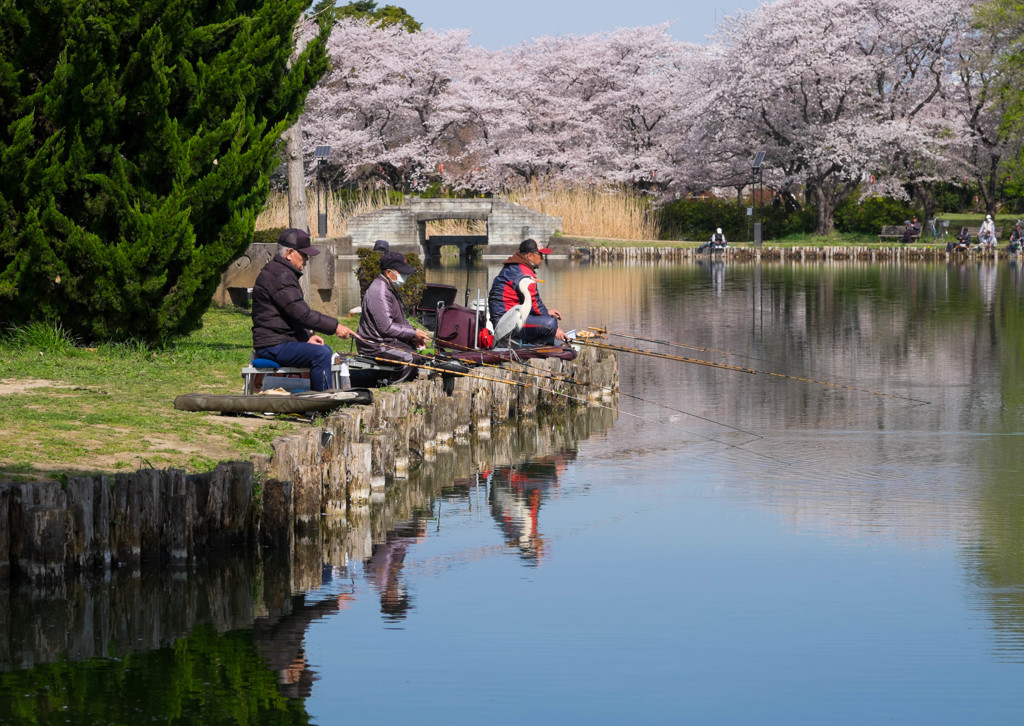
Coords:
pixel 111 408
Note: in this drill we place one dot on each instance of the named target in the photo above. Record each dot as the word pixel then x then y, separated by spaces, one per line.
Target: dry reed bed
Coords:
pixel 616 213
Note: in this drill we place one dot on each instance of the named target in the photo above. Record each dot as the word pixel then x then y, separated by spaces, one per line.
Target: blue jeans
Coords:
pixel 303 355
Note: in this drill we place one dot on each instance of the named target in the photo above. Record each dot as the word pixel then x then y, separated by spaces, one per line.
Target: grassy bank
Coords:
pixel 70 409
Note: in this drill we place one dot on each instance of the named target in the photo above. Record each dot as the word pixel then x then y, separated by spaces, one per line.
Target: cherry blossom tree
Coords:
pixel 602 108
pixel 381 106
pixel 990 100
pixel 838 90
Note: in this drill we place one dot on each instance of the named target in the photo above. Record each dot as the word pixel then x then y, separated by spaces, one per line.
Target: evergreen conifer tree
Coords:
pixel 136 142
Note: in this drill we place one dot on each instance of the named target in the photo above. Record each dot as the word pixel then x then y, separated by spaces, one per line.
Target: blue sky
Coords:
pixel 500 24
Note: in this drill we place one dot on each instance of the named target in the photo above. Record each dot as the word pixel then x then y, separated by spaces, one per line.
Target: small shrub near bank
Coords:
pixel 868 216
pixel 369 267
pixel 267 236
pixel 697 219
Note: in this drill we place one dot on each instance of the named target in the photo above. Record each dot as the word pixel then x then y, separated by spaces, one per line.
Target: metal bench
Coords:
pixel 895 231
pixel 250 383
pixel 363 372
pixel 973 232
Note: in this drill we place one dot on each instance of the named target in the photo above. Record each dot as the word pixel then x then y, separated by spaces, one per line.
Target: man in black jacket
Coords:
pixel 283 324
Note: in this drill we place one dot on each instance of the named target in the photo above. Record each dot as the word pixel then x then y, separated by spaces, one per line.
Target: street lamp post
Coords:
pixel 320 154
pixel 757 181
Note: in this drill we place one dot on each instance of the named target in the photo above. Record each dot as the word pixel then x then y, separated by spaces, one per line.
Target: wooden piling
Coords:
pixel 333 471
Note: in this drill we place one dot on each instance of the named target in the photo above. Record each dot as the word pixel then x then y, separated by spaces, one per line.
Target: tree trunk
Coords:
pixel 825 205
pixel 923 194
pixel 297 216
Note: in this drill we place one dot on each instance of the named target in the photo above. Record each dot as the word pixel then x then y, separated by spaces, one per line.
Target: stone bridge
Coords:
pixel 405 227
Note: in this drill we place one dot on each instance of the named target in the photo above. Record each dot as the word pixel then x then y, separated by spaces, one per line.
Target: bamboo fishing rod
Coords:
pixel 687 346
pixel 643 418
pixel 611 408
pixel 667 356
pixel 726 366
pixel 538 374
pixel 454 373
pixel 528 385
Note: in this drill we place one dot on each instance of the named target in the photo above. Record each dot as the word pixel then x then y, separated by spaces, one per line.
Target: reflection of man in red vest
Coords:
pixel 516 496
pixel 541 324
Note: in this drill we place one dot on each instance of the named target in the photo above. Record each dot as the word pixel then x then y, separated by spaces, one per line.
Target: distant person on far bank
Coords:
pixel 987 232
pixel 911 229
pixel 284 327
pixel 717 242
pixel 1016 238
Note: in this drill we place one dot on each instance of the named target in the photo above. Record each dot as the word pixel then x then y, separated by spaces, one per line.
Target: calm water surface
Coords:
pixel 730 548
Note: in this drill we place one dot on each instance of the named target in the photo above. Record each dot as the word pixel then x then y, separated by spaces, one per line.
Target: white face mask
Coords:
pixel 398 281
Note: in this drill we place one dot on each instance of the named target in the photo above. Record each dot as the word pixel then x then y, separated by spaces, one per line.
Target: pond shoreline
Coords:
pixel 907 253
pixel 109 521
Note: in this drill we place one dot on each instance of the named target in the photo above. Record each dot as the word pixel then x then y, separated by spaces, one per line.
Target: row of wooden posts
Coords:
pixel 92 613
pixel 169 516
pixel 909 253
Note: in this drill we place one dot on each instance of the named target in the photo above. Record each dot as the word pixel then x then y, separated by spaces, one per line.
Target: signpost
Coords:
pixel 757 182
pixel 320 155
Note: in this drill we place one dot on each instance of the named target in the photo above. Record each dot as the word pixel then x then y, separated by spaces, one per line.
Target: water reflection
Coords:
pixel 121 624
pixel 280 636
pixel 383 570
pixel 835 553
pixel 516 497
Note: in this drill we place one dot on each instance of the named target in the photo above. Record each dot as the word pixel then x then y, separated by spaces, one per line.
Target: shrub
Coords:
pixel 267 236
pixel 696 219
pixel 868 216
pixel 369 267
pixel 137 141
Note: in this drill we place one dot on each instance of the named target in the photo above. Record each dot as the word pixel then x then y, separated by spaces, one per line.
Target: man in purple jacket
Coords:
pixel 282 322
pixel 384 331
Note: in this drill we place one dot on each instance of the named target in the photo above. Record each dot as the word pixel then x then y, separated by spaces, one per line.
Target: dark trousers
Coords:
pixel 539 330
pixel 303 355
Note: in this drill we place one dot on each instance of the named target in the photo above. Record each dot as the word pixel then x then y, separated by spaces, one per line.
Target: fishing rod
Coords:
pixel 454 373
pixel 538 374
pixel 644 400
pixel 666 356
pixel 726 366
pixel 702 349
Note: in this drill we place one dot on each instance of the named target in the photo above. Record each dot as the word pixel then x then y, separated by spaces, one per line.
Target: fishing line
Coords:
pixel 702 349
pixel 670 408
pixel 667 356
pixel 612 408
pixel 694 415
pixel 726 366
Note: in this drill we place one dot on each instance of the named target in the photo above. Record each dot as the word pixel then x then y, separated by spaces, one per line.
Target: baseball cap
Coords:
pixel 395 261
pixel 298 240
pixel 530 245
